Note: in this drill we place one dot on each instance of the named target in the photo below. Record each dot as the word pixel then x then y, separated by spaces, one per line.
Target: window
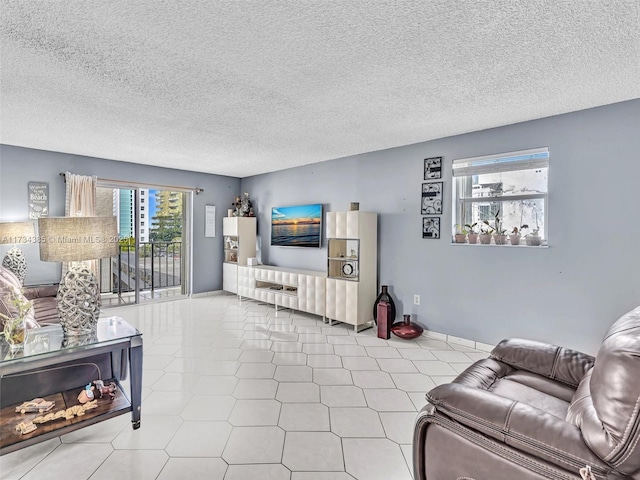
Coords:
pixel 142 215
pixel 510 185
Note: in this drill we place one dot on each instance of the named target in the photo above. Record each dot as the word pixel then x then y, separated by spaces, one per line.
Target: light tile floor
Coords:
pixel 236 391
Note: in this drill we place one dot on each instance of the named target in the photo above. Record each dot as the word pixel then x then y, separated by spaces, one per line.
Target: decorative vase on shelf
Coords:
pixel 385 297
pixel 407 329
pixel 15 324
pixel 14 333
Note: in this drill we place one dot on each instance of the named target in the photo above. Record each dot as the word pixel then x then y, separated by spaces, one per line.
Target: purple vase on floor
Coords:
pixel 407 329
pixel 385 297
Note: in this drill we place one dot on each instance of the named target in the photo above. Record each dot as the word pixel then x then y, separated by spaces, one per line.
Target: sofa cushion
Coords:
pixel 525 387
pixel 606 405
pixel 9 284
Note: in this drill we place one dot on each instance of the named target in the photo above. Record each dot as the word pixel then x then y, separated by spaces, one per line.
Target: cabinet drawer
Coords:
pixel 287 301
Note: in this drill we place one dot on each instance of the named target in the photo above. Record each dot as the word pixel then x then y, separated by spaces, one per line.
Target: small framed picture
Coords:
pixel 431 198
pixel 431 227
pixel 432 168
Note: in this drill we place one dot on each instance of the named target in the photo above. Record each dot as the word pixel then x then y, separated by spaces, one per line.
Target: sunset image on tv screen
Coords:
pixel 298 226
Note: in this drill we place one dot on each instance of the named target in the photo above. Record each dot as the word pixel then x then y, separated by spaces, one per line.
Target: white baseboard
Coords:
pixel 207 294
pixel 484 347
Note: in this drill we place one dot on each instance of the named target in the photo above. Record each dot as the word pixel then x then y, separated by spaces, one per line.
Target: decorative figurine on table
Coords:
pixel 99 387
pixel 109 389
pixel 39 405
pixel 86 395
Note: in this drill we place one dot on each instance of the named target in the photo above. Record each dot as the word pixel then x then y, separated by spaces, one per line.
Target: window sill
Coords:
pixel 507 245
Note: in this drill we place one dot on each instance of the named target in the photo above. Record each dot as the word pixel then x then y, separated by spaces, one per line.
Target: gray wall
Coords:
pixel 18 166
pixel 567 294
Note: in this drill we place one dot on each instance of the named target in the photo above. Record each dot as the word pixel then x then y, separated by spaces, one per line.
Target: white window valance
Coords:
pixel 506 162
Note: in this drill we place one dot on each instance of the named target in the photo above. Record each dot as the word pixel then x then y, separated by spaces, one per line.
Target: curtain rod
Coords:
pixel 142 185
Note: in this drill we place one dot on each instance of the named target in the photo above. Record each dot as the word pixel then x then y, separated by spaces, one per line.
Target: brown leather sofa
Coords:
pixel 537 411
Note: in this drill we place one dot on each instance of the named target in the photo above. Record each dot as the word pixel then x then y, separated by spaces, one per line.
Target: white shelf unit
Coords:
pixel 302 290
pixel 239 237
pixel 352 239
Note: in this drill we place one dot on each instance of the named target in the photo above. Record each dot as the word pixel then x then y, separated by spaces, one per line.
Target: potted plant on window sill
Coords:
pixel 534 239
pixel 460 235
pixel 499 232
pixel 516 234
pixel 485 235
pixel 472 233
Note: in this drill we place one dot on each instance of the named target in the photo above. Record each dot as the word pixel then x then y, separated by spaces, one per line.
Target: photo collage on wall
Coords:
pixel 432 196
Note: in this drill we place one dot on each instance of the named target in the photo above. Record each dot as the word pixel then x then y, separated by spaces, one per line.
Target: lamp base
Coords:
pixel 14 260
pixel 78 301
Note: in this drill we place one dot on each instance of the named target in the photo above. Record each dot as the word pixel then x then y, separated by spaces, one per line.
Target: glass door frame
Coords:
pixel 186 253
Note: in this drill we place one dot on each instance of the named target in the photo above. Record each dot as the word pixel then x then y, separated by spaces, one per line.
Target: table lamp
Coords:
pixel 14 233
pixel 75 239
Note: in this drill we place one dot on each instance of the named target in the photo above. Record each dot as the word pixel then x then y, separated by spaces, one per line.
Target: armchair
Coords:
pixel 537 411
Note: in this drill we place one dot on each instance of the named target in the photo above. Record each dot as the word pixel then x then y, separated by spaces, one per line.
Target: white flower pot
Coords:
pixel 534 240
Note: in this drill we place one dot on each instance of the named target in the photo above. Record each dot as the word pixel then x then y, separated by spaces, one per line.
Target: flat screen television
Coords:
pixel 297 226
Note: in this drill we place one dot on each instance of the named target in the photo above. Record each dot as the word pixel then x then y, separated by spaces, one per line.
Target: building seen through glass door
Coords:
pixel 153 259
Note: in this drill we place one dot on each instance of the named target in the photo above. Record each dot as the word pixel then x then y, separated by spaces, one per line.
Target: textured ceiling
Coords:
pixel 246 87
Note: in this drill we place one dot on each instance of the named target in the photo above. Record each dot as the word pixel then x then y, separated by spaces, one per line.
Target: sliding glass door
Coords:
pixel 154 251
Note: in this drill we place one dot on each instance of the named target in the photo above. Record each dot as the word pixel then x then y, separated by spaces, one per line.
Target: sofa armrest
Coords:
pixel 40 291
pixel 519 425
pixel 558 363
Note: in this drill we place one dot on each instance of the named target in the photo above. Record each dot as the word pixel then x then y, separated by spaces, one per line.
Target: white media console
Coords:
pixel 302 290
pixel 345 292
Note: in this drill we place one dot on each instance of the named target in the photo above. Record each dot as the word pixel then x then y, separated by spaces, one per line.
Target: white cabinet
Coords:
pixel 302 290
pixel 352 263
pixel 246 281
pixel 311 293
pixel 239 237
pixel 239 234
pixel 230 277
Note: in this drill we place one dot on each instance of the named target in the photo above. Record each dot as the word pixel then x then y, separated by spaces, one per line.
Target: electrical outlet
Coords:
pixel 416 299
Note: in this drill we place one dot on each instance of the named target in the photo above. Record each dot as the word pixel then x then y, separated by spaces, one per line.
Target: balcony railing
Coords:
pixel 159 266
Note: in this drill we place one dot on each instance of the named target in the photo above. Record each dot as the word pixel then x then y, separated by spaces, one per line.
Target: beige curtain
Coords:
pixel 81 202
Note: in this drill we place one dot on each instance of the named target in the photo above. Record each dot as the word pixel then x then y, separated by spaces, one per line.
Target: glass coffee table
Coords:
pixel 57 369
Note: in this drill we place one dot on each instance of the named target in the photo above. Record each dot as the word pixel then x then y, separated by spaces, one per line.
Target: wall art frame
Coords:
pixel 431 227
pixel 38 204
pixel 432 198
pixel 432 168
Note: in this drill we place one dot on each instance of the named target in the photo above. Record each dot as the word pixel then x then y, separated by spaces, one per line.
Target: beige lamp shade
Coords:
pixel 73 239
pixel 17 232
